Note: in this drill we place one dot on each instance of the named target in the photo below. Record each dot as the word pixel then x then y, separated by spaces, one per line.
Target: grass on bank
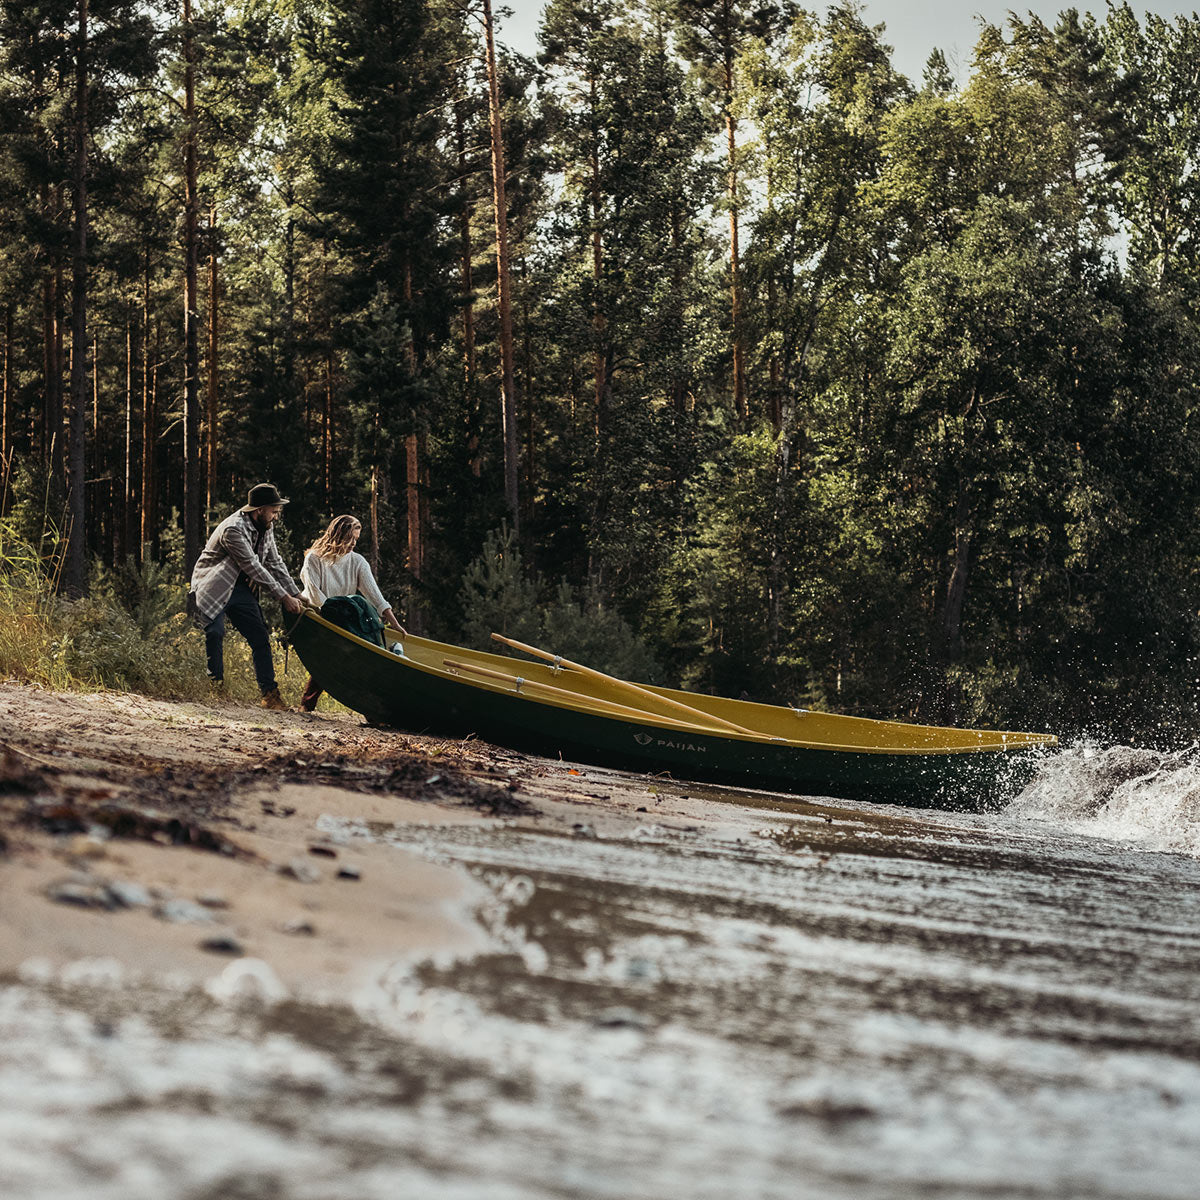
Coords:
pixel 132 634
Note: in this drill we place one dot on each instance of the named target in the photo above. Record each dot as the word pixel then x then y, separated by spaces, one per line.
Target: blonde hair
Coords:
pixel 338 538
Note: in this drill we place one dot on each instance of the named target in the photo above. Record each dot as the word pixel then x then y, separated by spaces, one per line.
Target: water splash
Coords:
pixel 1144 797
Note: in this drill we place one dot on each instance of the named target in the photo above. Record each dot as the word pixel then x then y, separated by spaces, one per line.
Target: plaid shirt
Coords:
pixel 237 547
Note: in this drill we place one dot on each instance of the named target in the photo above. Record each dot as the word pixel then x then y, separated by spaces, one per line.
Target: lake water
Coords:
pixel 806 1000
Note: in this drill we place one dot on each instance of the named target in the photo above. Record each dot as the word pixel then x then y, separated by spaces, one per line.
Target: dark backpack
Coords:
pixel 354 614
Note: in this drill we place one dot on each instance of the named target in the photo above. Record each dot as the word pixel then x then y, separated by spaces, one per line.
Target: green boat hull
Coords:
pixel 388 689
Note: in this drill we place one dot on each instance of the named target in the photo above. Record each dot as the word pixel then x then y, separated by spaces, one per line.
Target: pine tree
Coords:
pixel 819 107
pixel 1159 200
pixel 630 288
pixel 383 197
pixel 714 37
pixel 69 68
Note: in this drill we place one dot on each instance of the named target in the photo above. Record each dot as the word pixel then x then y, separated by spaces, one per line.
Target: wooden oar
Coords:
pixel 610 706
pixel 626 686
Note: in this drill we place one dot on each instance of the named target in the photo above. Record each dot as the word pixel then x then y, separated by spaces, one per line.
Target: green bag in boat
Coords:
pixel 356 615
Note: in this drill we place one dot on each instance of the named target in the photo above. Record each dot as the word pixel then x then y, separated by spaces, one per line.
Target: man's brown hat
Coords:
pixel 263 495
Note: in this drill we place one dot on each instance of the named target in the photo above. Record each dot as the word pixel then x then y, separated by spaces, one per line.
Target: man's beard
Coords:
pixel 262 521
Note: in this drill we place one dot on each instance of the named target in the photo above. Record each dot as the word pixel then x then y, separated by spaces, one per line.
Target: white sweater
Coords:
pixel 347 575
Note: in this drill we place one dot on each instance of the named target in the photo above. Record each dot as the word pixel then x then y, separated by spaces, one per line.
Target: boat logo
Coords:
pixel 644 739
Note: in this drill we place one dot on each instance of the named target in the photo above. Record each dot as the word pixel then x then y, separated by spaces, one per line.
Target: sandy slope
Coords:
pixel 169 836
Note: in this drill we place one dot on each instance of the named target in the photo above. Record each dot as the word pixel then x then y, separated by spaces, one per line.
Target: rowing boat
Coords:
pixel 566 711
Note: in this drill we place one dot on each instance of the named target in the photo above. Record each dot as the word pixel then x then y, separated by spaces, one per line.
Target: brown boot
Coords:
pixel 273 699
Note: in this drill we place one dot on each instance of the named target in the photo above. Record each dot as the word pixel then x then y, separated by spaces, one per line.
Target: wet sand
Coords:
pixel 367 963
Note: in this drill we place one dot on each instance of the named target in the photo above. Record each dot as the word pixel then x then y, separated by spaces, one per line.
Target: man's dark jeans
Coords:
pixel 246 616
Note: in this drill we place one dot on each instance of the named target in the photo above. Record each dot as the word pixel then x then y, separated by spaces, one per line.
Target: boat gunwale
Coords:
pixel 1004 742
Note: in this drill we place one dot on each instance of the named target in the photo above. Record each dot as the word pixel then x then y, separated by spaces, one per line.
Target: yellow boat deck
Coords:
pixel 562 687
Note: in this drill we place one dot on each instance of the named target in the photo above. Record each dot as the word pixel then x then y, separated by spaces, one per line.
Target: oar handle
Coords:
pixel 554 658
pixel 624 685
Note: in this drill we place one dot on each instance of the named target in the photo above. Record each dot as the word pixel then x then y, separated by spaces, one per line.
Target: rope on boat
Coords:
pixel 289 630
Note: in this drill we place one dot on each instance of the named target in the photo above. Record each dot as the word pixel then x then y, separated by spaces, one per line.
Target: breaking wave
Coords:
pixel 1145 798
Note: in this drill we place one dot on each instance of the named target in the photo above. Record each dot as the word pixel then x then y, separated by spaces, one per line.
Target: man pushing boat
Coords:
pixel 240 559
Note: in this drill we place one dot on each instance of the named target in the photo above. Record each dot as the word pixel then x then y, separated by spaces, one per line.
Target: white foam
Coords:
pixel 1144 798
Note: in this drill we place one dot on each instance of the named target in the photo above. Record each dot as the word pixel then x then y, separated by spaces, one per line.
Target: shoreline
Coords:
pixel 174 838
pixel 542 979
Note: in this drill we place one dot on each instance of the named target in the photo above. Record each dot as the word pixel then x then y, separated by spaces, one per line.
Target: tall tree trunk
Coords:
pixel 466 260
pixel 52 410
pixel 416 549
pixel 192 496
pixel 467 275
pixel 775 370
pixel 531 458
pixel 600 334
pixel 74 578
pixel 422 514
pixel 413 447
pixel 327 446
pixel 148 521
pixel 62 366
pixel 210 489
pixel 6 431
pixel 599 324
pixel 775 398
pixel 98 456
pixel 375 493
pixel 327 424
pixel 161 463
pixel 740 402
pixel 412 483
pixel 289 296
pixel 508 410
pixel 125 546
pixel 101 467
pixel 375 518
pixel 677 396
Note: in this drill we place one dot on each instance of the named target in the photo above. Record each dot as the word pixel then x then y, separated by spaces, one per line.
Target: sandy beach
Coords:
pixel 214 811
pixel 254 954
pixel 147 831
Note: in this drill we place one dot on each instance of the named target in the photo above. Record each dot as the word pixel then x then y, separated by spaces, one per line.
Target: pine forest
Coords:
pixel 703 347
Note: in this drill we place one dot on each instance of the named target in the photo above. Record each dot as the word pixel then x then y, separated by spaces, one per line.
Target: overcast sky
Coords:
pixel 914 27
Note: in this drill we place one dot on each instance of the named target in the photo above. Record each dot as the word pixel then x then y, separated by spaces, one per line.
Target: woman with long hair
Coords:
pixel 332 567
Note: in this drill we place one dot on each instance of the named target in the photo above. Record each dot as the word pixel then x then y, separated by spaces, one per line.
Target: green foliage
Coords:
pixel 131 634
pixel 97 643
pixel 498 596
pixel 150 593
pixel 598 636
pixel 26 612
pixel 37 510
pixel 94 643
pixel 968 481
